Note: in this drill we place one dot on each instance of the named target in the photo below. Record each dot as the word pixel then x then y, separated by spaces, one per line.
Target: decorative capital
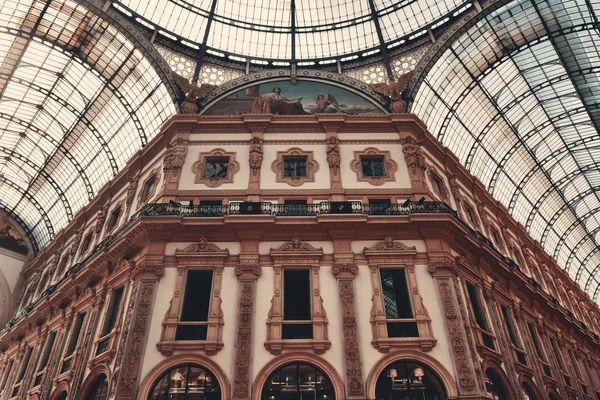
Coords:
pixel 344 270
pixel 151 267
pixel 247 272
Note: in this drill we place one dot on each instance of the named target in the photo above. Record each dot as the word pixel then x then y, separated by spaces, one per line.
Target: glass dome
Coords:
pixel 287 30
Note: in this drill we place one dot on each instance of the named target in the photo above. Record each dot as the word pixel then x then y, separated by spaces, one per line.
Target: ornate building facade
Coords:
pixel 324 256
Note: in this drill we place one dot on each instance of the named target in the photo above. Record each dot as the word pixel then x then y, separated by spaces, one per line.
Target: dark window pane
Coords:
pixel 395 294
pixel 113 311
pixel 509 326
pixel 372 166
pixel 476 306
pixel 294 167
pixel 114 218
pixel 536 341
pixel 216 167
pixel 197 295
pixel 437 184
pixel 75 335
pixel 191 332
pixel 24 364
pixel 296 294
pixel 297 331
pixel 47 350
pixel 402 329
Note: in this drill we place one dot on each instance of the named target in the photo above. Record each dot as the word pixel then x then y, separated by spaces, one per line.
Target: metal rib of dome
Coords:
pixel 515 98
pixel 293 30
pixel 77 100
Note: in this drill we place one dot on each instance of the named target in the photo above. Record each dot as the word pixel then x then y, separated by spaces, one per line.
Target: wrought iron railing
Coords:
pixel 288 210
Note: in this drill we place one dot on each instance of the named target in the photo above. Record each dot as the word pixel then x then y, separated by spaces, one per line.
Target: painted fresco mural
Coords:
pixel 284 98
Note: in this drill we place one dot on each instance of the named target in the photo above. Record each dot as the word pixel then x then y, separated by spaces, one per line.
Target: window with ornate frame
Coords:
pixel 293 260
pixel 44 359
pixel 539 349
pixel 295 166
pixel 386 172
pixel 471 215
pixel 479 316
pixel 85 244
pixel 399 319
pixel 560 361
pixel 200 329
pixel 513 334
pixel 298 381
pixel 215 168
pixel 6 374
pixel 72 349
pixel 437 183
pixel 22 369
pixel 149 187
pixel 186 382
pixel 115 216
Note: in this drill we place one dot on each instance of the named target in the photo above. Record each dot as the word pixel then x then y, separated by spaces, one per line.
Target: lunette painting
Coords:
pixel 284 98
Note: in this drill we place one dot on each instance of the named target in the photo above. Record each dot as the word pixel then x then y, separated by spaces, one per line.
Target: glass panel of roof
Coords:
pixel 518 110
pixel 79 99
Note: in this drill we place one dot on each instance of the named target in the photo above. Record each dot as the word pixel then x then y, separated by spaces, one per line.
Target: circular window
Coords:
pixel 298 382
pixel 409 380
pixel 186 382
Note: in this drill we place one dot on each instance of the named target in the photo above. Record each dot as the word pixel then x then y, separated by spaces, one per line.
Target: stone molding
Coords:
pixel 312 166
pixel 198 168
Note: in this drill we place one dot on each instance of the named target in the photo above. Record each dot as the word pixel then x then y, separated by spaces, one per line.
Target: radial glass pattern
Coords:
pixel 291 29
pixel 77 100
pixel 516 99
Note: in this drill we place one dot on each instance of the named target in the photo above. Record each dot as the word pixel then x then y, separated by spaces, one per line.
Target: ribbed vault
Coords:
pixel 516 99
pixel 77 99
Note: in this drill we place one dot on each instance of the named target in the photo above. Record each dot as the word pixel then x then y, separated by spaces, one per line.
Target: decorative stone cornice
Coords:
pixel 296 245
pixel 202 247
pixel 344 271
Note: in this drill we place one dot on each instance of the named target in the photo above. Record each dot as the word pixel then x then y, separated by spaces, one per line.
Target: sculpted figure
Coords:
pixel 193 93
pixel 333 153
pixel 256 154
pixel 396 91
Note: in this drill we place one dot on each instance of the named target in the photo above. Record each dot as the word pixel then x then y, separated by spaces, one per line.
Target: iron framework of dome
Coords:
pixel 307 32
pixel 516 99
pixel 77 100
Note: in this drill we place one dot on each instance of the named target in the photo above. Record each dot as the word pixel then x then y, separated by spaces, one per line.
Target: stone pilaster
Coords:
pixel 146 275
pixel 467 369
pixel 247 274
pixel 352 365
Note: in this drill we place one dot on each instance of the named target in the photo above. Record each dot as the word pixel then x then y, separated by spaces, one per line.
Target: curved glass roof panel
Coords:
pixel 516 99
pixel 77 100
pixel 290 29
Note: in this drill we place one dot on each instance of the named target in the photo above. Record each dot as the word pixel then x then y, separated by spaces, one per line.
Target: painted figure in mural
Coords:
pixel 276 103
pixel 327 104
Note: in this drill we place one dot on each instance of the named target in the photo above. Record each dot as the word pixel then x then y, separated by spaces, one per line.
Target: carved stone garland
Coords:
pixel 396 254
pixel 136 341
pixel 354 377
pixel 444 275
pixel 247 275
pixel 296 254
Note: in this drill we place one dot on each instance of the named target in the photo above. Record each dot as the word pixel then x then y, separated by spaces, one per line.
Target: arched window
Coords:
pixel 493 385
pixel 99 390
pixel 186 382
pixel 408 379
pixel 298 382
pixel 528 392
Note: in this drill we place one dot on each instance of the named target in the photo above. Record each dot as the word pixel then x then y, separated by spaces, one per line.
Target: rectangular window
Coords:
pixel 372 166
pixel 479 313
pixel 496 237
pixel 379 206
pixel 86 244
pixel 295 207
pixel 113 311
pixel 557 354
pixel 216 167
pixel 536 342
pixel 114 219
pixel 47 351
pixel 24 364
pixel 72 345
pixel 436 183
pixel 297 304
pixel 470 214
pixel 193 321
pixel 512 333
pixel 294 167
pixel 397 303
pixel 6 374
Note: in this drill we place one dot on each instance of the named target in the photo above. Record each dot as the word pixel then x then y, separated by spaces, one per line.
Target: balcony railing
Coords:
pixel 277 210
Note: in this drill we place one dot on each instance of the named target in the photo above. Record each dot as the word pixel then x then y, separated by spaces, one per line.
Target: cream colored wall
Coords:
pixel 268 177
pixel 240 179
pixel 10 267
pixel 349 178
